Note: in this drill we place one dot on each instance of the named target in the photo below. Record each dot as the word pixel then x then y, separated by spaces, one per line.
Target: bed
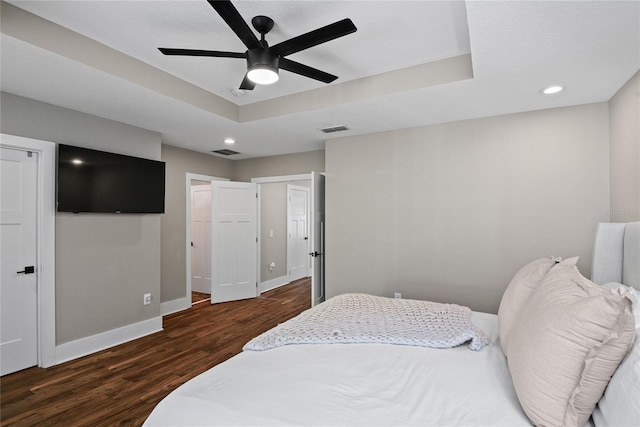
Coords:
pixel 382 384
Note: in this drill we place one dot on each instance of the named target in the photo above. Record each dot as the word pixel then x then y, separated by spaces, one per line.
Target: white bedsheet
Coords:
pixel 351 385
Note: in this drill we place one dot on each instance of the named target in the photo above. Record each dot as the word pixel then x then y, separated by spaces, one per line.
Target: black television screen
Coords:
pixel 97 181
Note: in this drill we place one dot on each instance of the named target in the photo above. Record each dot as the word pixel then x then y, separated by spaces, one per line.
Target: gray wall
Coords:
pixel 287 164
pixel 174 233
pixel 104 263
pixel 450 212
pixel 624 110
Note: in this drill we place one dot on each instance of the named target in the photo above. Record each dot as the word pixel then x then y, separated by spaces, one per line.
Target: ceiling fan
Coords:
pixel 264 61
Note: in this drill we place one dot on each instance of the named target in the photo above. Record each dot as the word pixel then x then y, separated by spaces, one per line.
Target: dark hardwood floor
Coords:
pixel 121 385
pixel 199 297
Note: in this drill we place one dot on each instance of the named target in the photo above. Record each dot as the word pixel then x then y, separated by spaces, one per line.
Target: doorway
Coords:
pixel 270 272
pixel 44 256
pixel 315 224
pixel 198 237
pixel 221 242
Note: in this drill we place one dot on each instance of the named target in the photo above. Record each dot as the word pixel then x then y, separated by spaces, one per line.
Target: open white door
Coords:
pixel 317 238
pixel 234 238
pixel 18 226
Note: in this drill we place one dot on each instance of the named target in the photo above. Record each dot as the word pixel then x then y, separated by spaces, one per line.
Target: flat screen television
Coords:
pixel 97 181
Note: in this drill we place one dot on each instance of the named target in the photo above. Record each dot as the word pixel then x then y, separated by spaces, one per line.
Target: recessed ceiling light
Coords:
pixel 552 90
pixel 229 141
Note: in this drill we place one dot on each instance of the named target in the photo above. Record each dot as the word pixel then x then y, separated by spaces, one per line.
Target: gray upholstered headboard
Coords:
pixel 616 255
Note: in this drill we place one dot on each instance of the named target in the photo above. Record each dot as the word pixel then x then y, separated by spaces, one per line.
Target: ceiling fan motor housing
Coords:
pixel 262 66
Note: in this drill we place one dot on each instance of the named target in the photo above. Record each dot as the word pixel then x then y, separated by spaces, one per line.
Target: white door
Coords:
pixel 234 249
pixel 18 290
pixel 317 238
pixel 297 232
pixel 201 238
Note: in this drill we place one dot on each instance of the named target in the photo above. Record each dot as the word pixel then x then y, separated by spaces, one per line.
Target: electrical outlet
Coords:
pixel 397 295
pixel 147 299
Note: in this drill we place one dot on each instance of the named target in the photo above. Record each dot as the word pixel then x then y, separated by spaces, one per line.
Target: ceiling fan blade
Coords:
pixel 234 20
pixel 247 84
pixel 305 70
pixel 198 52
pixel 315 37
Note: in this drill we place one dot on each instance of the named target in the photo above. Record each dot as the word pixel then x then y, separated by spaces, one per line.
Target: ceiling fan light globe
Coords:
pixel 263 75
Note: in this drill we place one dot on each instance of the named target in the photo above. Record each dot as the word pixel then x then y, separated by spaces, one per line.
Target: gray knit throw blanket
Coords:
pixel 362 318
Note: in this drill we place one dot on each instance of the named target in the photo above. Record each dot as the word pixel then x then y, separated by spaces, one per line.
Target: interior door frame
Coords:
pixel 192 177
pixel 200 187
pixel 274 179
pixel 46 221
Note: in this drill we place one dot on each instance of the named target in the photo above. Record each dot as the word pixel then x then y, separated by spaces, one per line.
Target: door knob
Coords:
pixel 27 270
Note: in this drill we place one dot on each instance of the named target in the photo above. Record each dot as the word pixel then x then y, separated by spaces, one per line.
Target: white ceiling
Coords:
pixel 516 47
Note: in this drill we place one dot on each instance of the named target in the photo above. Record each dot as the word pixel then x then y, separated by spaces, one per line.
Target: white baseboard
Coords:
pixel 273 283
pixel 175 305
pixel 89 345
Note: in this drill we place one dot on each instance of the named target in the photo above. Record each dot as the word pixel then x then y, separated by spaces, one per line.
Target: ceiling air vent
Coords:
pixel 225 152
pixel 332 129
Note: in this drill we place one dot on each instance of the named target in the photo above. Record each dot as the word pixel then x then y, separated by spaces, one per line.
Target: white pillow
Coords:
pixel 565 346
pixel 524 282
pixel 620 404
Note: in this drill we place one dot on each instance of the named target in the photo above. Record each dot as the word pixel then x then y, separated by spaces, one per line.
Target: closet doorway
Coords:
pixel 198 250
pixel 201 237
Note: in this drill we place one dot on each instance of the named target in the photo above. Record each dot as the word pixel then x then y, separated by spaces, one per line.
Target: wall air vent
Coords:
pixel 225 152
pixel 332 129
